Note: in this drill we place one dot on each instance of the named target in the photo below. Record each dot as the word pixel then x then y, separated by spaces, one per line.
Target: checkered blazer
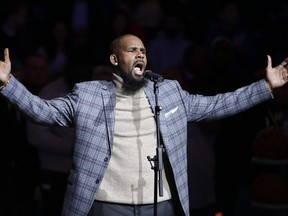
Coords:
pixel 90 109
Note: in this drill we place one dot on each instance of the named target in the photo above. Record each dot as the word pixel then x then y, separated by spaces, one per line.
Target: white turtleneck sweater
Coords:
pixel 129 178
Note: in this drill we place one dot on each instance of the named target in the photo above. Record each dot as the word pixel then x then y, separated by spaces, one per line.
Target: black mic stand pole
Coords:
pixel 158 158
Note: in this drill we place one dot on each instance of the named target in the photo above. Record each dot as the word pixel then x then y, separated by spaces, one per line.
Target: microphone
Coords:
pixel 153 76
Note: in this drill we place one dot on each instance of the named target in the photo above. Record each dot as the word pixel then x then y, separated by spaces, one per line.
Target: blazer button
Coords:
pixel 106 159
pixel 97 181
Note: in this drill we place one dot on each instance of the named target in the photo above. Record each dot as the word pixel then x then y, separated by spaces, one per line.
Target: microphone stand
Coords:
pixel 158 158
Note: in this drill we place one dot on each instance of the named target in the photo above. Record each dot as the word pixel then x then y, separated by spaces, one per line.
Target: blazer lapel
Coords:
pixel 109 103
pixel 149 90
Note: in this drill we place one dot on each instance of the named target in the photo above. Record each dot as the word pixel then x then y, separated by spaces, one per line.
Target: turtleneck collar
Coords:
pixel 118 81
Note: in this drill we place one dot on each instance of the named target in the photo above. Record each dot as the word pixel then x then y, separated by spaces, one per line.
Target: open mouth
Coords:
pixel 139 68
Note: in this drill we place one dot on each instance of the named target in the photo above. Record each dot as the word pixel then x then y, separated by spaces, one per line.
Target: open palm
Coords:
pixel 5 67
pixel 277 76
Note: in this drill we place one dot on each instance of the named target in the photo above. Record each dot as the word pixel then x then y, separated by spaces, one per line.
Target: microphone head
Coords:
pixel 148 74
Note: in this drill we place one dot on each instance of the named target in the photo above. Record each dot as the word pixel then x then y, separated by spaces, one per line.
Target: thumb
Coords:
pixel 6 55
pixel 269 62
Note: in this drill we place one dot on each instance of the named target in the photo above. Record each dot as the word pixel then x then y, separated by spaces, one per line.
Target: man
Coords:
pixel 115 131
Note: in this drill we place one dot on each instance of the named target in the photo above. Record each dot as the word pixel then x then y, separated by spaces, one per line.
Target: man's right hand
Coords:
pixel 5 68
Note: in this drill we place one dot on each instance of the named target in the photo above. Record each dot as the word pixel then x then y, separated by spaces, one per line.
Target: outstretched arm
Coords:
pixel 5 68
pixel 57 111
pixel 277 76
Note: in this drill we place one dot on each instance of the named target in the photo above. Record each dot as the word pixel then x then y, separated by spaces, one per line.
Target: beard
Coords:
pixel 131 84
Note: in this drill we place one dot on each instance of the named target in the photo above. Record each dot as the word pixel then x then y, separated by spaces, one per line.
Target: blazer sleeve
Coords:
pixel 58 111
pixel 199 107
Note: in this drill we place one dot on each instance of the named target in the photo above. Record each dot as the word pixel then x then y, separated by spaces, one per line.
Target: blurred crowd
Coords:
pixel 208 46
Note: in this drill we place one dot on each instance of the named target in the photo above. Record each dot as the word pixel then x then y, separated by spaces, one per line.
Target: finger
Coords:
pixel 269 62
pixel 6 55
pixel 285 63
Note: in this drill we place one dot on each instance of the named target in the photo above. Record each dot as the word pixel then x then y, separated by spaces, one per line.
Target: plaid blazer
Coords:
pixel 90 109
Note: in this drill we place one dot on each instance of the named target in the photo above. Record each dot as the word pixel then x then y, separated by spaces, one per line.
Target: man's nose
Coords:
pixel 140 54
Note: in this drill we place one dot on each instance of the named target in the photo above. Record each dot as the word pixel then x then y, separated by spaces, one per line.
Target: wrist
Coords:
pixel 269 86
pixel 4 84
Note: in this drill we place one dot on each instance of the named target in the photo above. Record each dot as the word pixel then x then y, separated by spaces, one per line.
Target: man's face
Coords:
pixel 132 60
pixel 132 56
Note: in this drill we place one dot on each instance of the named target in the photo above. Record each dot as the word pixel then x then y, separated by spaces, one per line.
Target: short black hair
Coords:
pixel 114 46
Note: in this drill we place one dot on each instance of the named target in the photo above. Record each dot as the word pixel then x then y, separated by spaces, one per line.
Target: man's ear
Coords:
pixel 113 59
